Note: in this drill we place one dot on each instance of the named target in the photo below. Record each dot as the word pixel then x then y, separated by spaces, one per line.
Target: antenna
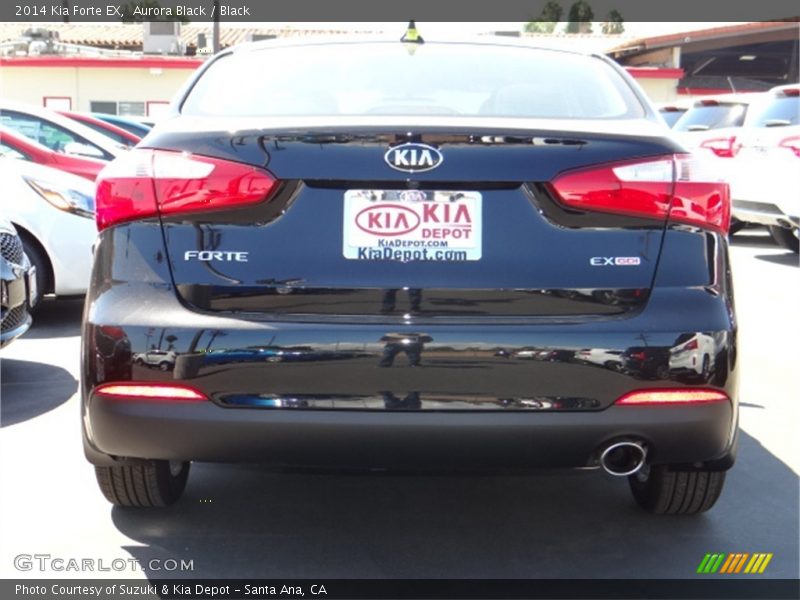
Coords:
pixel 730 83
pixel 412 36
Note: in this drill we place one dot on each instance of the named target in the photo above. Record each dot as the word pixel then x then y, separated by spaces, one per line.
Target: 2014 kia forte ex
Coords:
pixel 389 255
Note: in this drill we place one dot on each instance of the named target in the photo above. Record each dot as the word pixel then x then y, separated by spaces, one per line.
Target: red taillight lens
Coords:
pixel 655 188
pixel 634 188
pixel 685 396
pixel 792 143
pixel 144 183
pixel 691 345
pixel 724 147
pixel 151 391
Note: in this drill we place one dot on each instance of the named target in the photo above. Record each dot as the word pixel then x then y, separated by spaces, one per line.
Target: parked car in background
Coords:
pixel 163 359
pixel 57 132
pixel 477 178
pixel 53 213
pixel 710 126
pixel 131 125
pixel 15 145
pixel 693 354
pixel 765 185
pixel 118 134
pixel 17 285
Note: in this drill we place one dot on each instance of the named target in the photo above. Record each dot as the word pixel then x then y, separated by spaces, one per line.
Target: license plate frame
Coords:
pixel 412 225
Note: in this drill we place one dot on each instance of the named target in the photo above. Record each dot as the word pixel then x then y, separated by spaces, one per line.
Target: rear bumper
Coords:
pixel 403 440
pixel 461 365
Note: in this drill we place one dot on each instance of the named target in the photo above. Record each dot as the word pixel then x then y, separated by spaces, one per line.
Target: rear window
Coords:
pixel 399 79
pixel 778 111
pixel 712 116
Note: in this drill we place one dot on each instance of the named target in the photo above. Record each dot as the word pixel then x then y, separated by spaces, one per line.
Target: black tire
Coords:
pixel 786 238
pixel 663 491
pixel 38 260
pixel 152 483
pixel 736 226
pixel 705 375
pixel 163 366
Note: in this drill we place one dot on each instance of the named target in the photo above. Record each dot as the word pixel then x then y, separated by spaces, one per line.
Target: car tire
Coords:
pixel 736 226
pixel 38 260
pixel 662 490
pixel 152 483
pixel 163 366
pixel 786 238
pixel 705 373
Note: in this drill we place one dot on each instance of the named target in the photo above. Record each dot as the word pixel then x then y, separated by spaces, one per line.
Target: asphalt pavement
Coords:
pixel 247 521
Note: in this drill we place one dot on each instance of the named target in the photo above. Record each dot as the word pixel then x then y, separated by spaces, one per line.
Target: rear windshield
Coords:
pixel 712 116
pixel 402 79
pixel 778 111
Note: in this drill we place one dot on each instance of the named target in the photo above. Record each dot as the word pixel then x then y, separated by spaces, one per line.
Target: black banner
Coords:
pixel 731 588
pixel 376 10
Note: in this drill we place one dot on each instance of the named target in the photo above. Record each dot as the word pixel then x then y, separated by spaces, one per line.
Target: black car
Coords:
pixel 410 208
pixel 17 285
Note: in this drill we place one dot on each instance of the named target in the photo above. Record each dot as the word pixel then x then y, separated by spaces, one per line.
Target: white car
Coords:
pixel 53 212
pixel 711 127
pixel 57 132
pixel 765 179
pixel 163 359
pixel 693 354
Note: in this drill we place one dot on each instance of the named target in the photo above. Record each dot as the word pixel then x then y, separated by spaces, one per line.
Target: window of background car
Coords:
pixel 395 79
pixel 44 132
pixel 777 111
pixel 712 116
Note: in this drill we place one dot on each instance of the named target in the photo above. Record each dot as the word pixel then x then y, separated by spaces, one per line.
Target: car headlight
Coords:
pixel 64 198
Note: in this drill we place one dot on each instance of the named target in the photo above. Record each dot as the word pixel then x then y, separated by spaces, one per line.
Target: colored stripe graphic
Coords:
pixel 733 563
pixel 711 563
pixel 704 563
pixel 767 558
pixel 741 562
pixel 727 566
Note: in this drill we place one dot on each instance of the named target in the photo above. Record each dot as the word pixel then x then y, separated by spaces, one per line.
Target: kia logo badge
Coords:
pixel 413 158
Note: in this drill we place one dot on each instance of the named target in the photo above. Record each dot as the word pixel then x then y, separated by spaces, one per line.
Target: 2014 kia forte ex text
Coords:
pixel 389 255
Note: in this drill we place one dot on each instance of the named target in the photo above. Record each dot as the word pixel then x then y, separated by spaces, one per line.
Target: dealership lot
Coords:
pixel 242 520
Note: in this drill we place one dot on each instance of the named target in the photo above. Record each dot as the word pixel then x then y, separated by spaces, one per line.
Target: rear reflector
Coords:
pixel 155 391
pixel 676 186
pixel 684 396
pixel 724 147
pixel 145 183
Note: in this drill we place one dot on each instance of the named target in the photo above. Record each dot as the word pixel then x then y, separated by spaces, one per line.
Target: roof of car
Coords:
pixel 476 40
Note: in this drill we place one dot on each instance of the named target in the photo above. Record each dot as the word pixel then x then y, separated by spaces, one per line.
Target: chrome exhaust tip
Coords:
pixel 623 458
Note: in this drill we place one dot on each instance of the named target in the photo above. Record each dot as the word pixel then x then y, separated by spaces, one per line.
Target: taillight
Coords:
pixel 675 396
pixel 144 183
pixel 150 391
pixel 675 186
pixel 724 147
pixel 792 143
pixel 691 345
